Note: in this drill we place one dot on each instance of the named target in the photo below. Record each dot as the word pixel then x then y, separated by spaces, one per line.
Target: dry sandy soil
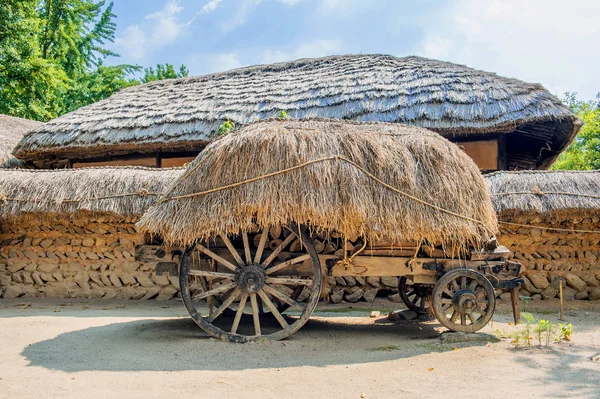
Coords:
pixel 149 349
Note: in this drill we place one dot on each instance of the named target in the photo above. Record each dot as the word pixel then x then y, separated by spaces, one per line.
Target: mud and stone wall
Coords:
pixel 100 257
pixel 77 258
pixel 549 257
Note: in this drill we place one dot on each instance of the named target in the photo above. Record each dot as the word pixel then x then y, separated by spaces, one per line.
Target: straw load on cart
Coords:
pixel 264 212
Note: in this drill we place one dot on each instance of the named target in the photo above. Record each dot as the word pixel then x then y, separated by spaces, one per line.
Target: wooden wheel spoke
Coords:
pixel 215 291
pixel 207 273
pixel 277 250
pixel 446 309
pixel 445 301
pixel 455 286
pixel 415 299
pixel 455 315
pixel 217 258
pixel 232 249
pixel 411 293
pixel 278 294
pixel 472 318
pixel 261 245
pixel 247 253
pixel 287 263
pixel 463 319
pixel 473 285
pixel 463 283
pixel 273 309
pixel 288 281
pixel 448 292
pixel 255 314
pixel 224 305
pixel 239 313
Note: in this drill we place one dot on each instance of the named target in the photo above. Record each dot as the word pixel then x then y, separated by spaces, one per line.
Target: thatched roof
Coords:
pixel 549 194
pixel 12 130
pixel 131 190
pixel 183 114
pixel 329 193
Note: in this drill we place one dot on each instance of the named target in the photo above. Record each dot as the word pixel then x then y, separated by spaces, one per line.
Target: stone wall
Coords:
pixel 551 256
pixel 91 257
pixel 96 257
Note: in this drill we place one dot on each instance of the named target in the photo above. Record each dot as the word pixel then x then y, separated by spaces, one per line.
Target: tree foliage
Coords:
pixel 584 152
pixel 51 57
pixel 166 71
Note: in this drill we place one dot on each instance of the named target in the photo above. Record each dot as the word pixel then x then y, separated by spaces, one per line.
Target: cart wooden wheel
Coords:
pixel 463 300
pixel 415 296
pixel 250 277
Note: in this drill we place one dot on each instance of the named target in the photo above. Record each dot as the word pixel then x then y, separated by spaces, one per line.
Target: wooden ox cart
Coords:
pixel 268 211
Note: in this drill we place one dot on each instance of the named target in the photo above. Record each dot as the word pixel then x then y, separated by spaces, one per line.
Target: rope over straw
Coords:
pixel 379 180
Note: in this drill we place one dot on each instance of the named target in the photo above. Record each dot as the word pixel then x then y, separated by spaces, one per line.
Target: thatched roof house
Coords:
pixel 12 130
pixel 332 174
pixel 548 195
pixel 502 123
pixel 124 191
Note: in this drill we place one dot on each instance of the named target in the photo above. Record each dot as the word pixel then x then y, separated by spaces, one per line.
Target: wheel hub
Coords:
pixel 465 301
pixel 251 278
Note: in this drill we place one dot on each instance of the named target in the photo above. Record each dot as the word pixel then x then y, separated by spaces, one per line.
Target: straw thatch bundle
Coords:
pixel 552 195
pixel 12 130
pixel 182 114
pixel 332 193
pixel 125 191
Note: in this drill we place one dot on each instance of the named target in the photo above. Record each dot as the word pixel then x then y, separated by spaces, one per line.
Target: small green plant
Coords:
pixel 566 330
pixel 282 115
pixel 544 329
pixel 529 322
pixel 225 127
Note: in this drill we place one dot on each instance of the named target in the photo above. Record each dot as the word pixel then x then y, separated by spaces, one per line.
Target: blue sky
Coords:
pixel 553 42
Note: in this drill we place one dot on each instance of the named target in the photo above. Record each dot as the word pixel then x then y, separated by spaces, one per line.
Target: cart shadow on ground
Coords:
pixel 177 344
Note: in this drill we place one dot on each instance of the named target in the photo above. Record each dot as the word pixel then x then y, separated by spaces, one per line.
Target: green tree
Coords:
pixel 584 152
pixel 166 71
pixel 51 57
pixel 30 85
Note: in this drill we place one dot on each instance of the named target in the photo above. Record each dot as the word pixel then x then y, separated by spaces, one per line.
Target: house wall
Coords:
pixel 550 256
pixel 91 257
pixel 105 257
pixel 486 152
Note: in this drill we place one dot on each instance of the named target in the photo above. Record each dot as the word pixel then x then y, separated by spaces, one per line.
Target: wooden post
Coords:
pixel 514 297
pixel 560 296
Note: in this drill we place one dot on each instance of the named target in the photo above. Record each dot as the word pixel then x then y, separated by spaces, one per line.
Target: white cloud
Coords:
pixel 239 17
pixel 158 29
pixel 313 49
pixel 241 10
pixel 343 8
pixel 211 5
pixel 166 27
pixel 437 47
pixel 270 57
pixel 224 62
pixel 549 41
pixel 133 42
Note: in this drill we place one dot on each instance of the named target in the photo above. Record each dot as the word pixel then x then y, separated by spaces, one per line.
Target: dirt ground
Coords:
pixel 149 349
